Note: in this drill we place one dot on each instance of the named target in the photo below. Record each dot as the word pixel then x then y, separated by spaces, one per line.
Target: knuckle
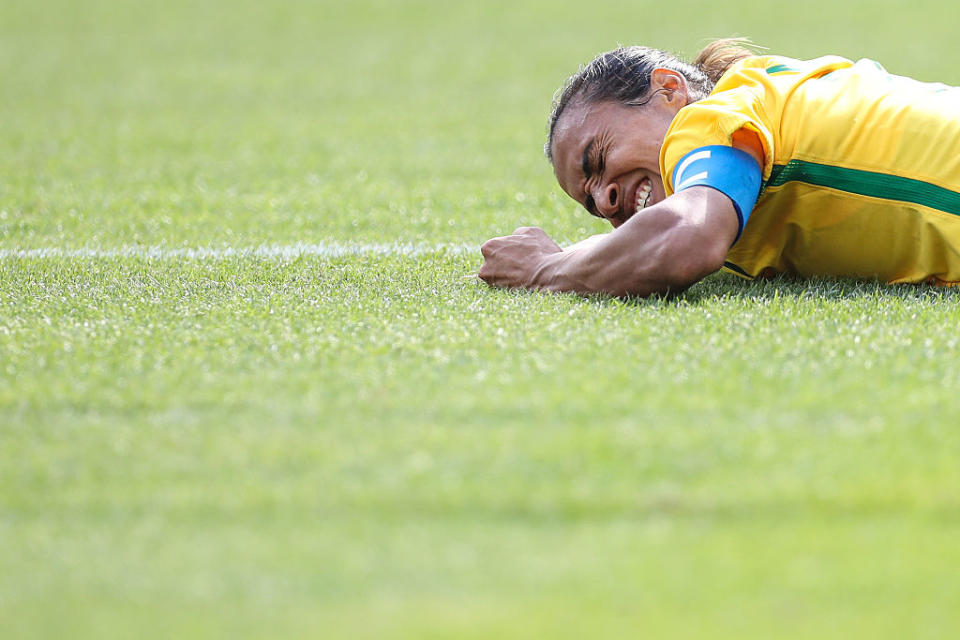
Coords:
pixel 486 276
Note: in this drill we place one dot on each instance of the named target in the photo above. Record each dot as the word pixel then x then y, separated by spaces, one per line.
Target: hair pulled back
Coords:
pixel 623 76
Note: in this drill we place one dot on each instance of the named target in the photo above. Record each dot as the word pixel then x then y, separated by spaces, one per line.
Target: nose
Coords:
pixel 608 200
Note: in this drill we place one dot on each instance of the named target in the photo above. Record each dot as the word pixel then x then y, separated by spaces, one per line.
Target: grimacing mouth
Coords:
pixel 642 198
pixel 644 195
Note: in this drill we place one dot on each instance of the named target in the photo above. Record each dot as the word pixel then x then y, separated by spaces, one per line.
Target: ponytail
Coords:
pixel 718 56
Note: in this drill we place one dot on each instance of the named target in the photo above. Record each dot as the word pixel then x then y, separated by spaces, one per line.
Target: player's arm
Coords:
pixel 666 247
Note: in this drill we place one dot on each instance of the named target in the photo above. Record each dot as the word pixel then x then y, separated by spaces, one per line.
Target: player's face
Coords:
pixel 607 155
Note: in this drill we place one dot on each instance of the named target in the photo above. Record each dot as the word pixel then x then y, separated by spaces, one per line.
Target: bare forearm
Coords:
pixel 609 266
pixel 587 242
pixel 666 248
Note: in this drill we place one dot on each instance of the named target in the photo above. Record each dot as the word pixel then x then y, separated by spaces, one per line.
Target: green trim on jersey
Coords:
pixel 732 267
pixel 779 68
pixel 867 183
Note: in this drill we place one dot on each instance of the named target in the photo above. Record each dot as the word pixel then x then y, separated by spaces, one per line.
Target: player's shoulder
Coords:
pixel 772 70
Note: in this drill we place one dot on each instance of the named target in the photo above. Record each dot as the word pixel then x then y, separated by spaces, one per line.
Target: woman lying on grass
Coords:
pixel 757 164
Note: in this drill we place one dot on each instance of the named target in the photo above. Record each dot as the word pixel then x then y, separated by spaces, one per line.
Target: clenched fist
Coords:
pixel 518 260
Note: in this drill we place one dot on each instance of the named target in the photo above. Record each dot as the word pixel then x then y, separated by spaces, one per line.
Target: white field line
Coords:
pixel 278 251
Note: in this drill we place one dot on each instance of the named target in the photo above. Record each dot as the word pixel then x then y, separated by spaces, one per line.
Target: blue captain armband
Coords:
pixel 730 171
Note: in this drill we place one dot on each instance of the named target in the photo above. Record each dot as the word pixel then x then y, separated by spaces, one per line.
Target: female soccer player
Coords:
pixel 757 164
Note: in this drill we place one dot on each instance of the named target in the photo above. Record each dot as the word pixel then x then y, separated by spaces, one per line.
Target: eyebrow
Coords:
pixel 585 160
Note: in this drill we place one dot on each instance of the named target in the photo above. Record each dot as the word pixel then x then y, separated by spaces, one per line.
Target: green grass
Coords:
pixel 369 445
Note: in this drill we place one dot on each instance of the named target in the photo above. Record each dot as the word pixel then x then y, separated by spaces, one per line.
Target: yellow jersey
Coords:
pixel 862 168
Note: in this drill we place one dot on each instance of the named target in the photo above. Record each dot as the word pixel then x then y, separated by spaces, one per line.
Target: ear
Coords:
pixel 672 86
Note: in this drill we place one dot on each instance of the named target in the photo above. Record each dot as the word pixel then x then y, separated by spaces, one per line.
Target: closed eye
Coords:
pixel 590 203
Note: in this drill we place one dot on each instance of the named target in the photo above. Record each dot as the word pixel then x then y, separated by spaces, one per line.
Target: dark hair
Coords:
pixel 623 75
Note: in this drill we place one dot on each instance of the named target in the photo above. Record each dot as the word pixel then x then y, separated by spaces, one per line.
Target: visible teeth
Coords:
pixel 643 195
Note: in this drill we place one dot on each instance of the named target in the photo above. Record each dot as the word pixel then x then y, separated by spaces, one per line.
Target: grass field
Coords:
pixel 245 390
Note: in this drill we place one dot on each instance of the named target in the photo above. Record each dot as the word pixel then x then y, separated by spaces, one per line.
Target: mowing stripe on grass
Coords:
pixel 322 249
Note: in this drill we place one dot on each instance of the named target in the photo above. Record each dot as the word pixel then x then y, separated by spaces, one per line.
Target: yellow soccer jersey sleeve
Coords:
pixel 861 172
